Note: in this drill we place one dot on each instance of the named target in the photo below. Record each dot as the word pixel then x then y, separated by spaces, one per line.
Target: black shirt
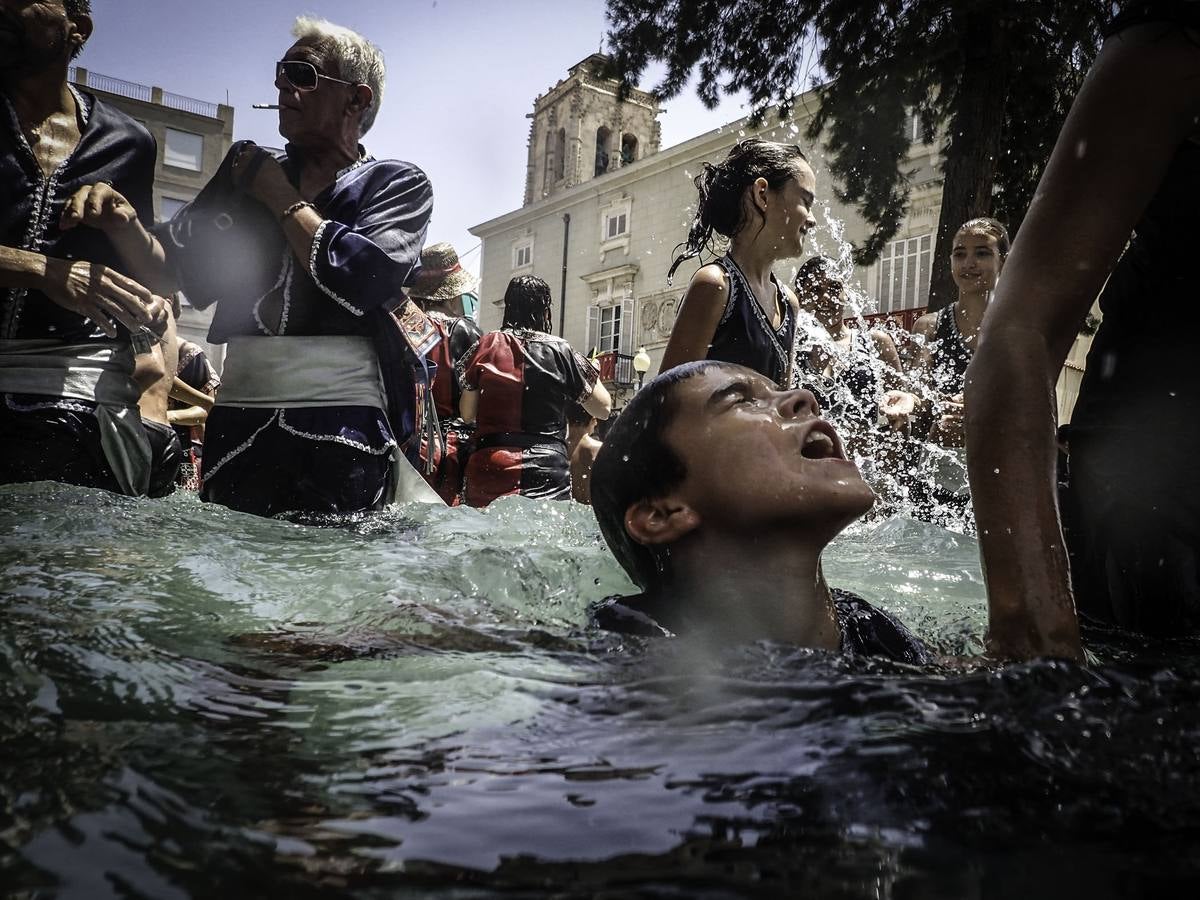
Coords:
pixel 865 630
pixel 112 147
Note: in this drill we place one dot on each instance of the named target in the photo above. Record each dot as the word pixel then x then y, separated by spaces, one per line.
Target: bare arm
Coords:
pixel 1066 248
pixel 102 206
pixel 699 315
pixel 599 404
pixel 185 393
pixel 468 406
pixel 92 290
pixel 892 372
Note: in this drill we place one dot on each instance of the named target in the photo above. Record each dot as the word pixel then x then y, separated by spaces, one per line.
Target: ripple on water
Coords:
pixel 194 701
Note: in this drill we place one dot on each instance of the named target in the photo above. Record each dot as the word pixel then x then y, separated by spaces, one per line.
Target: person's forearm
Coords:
pixel 192 415
pixel 144 256
pixel 299 226
pixel 185 393
pixel 22 268
pixel 1011 461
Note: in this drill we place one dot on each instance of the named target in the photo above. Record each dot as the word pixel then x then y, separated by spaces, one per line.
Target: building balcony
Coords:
pixel 616 369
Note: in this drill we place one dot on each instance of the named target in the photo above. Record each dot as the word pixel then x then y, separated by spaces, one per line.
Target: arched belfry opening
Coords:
pixel 585 127
pixel 603 139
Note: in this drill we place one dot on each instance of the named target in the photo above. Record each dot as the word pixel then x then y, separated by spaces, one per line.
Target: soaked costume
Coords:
pixel 68 405
pixel 316 397
pixel 865 630
pixel 1131 500
pixel 527 381
pixel 744 335
pixel 458 336
pixel 951 356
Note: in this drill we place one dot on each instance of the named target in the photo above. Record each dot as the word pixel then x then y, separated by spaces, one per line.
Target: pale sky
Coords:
pixel 461 77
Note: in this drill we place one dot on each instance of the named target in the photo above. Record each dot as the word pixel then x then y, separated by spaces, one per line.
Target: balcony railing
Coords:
pixel 145 93
pixel 616 368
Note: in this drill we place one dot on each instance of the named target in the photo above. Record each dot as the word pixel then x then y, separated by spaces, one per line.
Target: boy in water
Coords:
pixel 717 493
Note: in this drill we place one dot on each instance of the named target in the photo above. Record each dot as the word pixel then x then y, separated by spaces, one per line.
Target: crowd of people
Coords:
pixel 356 374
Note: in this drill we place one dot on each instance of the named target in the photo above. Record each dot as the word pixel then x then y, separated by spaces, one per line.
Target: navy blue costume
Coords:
pixel 228 249
pixel 744 335
pixel 865 630
pixel 41 436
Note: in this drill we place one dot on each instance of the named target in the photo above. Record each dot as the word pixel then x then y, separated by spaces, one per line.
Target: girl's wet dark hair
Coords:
pixel 722 186
pixel 527 304
pixel 635 464
pixel 991 227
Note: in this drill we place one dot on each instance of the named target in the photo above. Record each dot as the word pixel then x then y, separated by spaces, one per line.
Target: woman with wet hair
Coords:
pixel 518 384
pixel 759 198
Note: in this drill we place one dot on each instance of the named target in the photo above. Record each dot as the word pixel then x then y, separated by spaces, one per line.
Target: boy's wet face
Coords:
pixel 756 455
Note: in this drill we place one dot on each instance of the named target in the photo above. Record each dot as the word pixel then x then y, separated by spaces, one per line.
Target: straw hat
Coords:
pixel 441 276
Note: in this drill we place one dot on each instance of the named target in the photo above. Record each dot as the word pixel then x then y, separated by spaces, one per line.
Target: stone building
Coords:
pixel 604 235
pixel 193 137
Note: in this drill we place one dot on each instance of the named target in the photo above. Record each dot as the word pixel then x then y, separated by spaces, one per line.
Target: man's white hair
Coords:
pixel 357 59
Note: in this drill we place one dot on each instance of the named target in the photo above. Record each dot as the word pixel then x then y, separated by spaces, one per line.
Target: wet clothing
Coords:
pixel 113 148
pixel 54 360
pixel 1130 498
pixel 865 630
pixel 166 455
pixel 458 335
pixel 951 356
pixel 527 380
pixel 228 249
pixel 744 335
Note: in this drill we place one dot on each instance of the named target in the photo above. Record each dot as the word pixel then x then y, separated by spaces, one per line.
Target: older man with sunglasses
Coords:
pixel 305 253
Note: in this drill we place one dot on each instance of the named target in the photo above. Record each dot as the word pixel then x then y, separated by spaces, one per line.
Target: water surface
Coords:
pixel 195 701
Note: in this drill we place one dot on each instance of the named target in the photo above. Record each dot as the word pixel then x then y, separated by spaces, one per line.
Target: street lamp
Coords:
pixel 641 365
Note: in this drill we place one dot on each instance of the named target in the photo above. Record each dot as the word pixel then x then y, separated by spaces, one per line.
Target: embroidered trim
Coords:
pixel 39 223
pixel 240 448
pixel 460 367
pixel 78 406
pixel 312 270
pixel 285 268
pixel 335 438
pixel 785 359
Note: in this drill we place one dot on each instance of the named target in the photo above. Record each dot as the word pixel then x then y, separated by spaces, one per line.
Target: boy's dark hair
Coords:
pixel 527 304
pixel 721 187
pixel 635 464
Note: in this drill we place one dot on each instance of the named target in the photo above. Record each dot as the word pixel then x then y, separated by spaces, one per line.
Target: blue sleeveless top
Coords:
pixel 744 335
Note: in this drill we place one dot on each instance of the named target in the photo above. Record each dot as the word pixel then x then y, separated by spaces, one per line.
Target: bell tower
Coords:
pixel 580 130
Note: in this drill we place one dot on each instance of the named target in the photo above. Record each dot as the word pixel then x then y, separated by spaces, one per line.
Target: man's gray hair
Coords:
pixel 357 59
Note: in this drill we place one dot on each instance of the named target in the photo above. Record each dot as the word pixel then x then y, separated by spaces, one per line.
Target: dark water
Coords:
pixel 196 703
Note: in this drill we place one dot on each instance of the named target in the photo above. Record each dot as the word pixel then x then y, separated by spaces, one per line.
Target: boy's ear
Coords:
pixel 662 520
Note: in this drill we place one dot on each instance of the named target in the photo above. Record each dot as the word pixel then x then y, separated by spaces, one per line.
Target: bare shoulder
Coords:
pixel 710 276
pixel 882 339
pixel 926 325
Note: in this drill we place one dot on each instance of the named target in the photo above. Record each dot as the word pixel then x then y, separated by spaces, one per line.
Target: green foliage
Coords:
pixel 879 61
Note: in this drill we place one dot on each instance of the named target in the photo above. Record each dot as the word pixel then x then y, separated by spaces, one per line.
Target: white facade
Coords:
pixel 625 225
